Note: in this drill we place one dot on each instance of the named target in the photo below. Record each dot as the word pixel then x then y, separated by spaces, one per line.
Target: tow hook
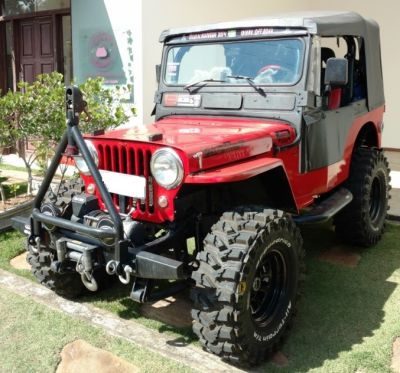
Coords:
pixel 86 275
pixel 125 280
pixel 112 269
pixel 89 281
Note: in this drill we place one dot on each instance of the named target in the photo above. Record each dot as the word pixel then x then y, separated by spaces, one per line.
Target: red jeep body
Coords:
pixel 241 149
pixel 225 145
pixel 259 125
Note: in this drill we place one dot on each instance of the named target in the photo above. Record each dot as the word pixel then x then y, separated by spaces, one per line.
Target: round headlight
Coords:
pixel 81 163
pixel 167 168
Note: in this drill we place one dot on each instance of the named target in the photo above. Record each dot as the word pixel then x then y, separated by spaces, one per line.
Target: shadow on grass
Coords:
pixel 338 309
pixel 116 299
pixel 341 307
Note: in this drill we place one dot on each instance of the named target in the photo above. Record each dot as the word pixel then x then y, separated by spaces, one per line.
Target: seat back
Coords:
pixel 334 98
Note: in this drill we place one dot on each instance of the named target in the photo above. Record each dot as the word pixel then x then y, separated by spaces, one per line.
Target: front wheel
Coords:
pixel 362 222
pixel 67 285
pixel 247 284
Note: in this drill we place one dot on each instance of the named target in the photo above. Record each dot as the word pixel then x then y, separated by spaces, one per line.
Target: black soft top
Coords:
pixel 323 23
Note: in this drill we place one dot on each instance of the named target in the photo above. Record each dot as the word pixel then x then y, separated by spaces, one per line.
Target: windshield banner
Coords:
pixel 236 34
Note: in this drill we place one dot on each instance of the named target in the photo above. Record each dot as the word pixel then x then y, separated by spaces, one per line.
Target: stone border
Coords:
pixel 24 209
pixel 130 330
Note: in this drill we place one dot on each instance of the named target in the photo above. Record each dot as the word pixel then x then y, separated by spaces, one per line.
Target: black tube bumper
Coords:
pixel 76 227
pixel 149 265
pixel 145 264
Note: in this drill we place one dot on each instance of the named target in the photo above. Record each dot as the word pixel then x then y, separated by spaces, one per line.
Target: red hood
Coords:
pixel 214 140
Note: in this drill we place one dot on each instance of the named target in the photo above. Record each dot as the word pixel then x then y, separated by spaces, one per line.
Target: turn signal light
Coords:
pixel 91 188
pixel 163 202
pixel 283 137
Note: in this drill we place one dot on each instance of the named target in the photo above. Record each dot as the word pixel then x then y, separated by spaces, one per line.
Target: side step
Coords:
pixel 327 208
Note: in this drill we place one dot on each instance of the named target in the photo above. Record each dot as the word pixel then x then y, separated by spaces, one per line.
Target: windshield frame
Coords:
pixel 168 47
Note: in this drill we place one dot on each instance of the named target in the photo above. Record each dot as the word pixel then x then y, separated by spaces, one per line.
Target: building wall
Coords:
pixel 159 15
pixel 116 26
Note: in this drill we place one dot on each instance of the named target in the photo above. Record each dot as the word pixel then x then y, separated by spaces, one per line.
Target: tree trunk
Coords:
pixel 30 179
pixel 28 167
pixel 2 195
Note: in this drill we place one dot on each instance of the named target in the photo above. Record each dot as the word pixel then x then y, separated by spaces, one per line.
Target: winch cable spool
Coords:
pixel 100 219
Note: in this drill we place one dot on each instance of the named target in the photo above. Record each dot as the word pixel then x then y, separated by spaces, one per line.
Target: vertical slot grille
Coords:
pixel 131 160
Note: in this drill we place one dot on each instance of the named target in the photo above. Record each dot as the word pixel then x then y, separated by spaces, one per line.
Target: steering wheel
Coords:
pixel 272 74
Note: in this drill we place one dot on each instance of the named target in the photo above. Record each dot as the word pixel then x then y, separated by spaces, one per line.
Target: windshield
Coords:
pixel 266 62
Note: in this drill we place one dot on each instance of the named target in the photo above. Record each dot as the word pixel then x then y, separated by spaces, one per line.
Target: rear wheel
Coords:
pixel 247 284
pixel 362 222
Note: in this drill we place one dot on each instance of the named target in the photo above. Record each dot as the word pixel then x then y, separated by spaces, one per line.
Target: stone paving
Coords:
pixel 19 262
pixel 396 355
pixel 80 356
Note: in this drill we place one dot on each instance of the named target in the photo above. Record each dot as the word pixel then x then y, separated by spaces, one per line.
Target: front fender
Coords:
pixel 271 170
pixel 234 172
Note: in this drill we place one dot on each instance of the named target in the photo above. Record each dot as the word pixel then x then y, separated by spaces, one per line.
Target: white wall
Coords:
pixel 123 20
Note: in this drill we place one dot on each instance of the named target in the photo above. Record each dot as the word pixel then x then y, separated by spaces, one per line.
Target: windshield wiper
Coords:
pixel 251 82
pixel 197 87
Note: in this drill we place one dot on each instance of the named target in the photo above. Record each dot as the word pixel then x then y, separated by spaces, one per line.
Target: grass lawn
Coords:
pixel 13 189
pixel 347 317
pixel 31 341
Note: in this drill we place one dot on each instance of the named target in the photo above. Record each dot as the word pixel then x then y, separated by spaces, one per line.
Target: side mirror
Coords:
pixel 158 73
pixel 336 72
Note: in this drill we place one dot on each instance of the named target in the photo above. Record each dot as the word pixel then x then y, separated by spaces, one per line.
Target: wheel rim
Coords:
pixel 268 288
pixel 376 199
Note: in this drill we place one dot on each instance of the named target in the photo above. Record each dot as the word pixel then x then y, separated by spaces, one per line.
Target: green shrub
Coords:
pixel 37 112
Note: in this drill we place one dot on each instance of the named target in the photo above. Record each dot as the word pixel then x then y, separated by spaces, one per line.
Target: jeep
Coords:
pixel 260 126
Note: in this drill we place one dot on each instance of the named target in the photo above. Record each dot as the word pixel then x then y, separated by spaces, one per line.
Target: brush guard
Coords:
pixel 78 243
pixel 71 144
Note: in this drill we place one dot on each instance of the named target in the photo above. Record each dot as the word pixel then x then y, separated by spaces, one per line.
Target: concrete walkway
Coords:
pixel 162 344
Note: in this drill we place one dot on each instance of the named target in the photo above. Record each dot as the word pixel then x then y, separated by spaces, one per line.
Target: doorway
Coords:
pixel 37 40
pixel 36 48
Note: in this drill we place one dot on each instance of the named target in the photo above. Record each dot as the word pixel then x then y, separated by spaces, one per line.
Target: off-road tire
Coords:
pixel 362 222
pixel 68 284
pixel 234 250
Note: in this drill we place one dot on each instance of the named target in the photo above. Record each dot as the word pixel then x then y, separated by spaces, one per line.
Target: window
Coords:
pixel 352 49
pixel 268 62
